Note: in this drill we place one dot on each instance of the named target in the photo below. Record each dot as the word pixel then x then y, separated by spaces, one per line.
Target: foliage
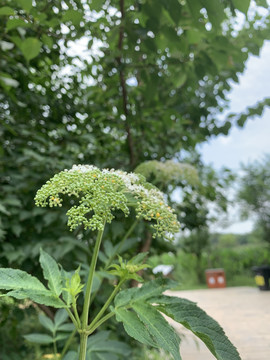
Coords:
pixel 168 173
pixel 196 244
pixel 237 261
pixel 147 325
pixel 61 107
pixel 148 85
pixel 254 193
pixel 15 319
pixel 59 329
pixel 139 309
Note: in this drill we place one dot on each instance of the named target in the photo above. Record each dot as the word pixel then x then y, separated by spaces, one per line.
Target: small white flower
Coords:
pixel 83 168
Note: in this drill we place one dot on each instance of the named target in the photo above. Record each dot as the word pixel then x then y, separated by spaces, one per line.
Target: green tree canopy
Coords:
pixel 254 193
pixel 149 84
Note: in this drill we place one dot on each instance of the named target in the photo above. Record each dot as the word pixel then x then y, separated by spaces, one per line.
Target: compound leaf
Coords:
pixel 202 325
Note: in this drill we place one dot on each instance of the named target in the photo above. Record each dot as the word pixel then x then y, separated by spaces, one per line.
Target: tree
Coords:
pixel 154 78
pixel 153 81
pixel 254 193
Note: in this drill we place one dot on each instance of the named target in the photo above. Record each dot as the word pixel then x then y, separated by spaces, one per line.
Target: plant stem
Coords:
pixel 100 322
pixel 54 347
pixel 83 345
pixel 87 299
pixel 108 263
pixel 76 313
pixel 67 344
pixel 90 280
pixel 77 325
pixel 105 306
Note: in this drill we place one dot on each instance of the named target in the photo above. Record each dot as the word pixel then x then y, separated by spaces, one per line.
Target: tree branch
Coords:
pixel 123 87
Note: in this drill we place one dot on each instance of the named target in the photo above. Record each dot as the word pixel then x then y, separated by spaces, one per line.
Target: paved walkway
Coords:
pixel 244 314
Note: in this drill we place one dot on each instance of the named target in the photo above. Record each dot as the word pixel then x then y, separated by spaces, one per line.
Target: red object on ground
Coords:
pixel 215 278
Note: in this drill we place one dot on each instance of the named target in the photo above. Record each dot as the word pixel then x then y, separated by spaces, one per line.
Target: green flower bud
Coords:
pixel 102 192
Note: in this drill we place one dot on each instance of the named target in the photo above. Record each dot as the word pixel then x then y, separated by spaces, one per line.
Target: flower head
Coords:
pixel 101 192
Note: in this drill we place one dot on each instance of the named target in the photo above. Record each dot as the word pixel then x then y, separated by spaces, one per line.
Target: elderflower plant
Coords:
pixel 101 192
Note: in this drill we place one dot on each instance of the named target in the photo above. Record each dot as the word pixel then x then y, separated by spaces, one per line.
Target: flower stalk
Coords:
pixel 87 299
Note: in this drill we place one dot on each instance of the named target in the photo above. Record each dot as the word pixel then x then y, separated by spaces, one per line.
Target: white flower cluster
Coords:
pixel 132 181
pixel 102 192
pixel 82 168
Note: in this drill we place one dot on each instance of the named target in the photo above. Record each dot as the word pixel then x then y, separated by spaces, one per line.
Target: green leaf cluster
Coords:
pixel 22 285
pixel 127 270
pixel 140 310
pixel 58 328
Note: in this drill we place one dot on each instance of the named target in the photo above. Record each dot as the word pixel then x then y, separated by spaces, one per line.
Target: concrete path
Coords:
pixel 244 314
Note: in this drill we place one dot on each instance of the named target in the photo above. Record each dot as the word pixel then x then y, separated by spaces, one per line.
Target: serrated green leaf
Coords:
pixel 30 48
pixel 39 338
pixel 202 325
pixel 242 5
pixel 46 322
pixel 162 332
pixel 51 272
pixel 6 10
pixel 13 279
pixel 44 297
pixel 149 289
pixel 134 327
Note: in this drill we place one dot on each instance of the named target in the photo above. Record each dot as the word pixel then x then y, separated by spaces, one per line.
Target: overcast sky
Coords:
pixel 250 143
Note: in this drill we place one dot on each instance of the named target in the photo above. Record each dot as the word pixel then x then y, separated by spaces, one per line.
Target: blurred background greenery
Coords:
pixel 135 85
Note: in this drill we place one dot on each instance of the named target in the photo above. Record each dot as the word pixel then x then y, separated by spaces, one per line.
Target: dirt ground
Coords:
pixel 244 314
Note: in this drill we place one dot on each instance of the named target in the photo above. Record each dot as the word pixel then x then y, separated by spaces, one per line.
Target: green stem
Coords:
pixel 108 263
pixel 83 345
pixel 67 344
pixel 100 322
pixel 107 303
pixel 89 284
pixel 77 325
pixel 87 298
pixel 54 347
pixel 76 313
